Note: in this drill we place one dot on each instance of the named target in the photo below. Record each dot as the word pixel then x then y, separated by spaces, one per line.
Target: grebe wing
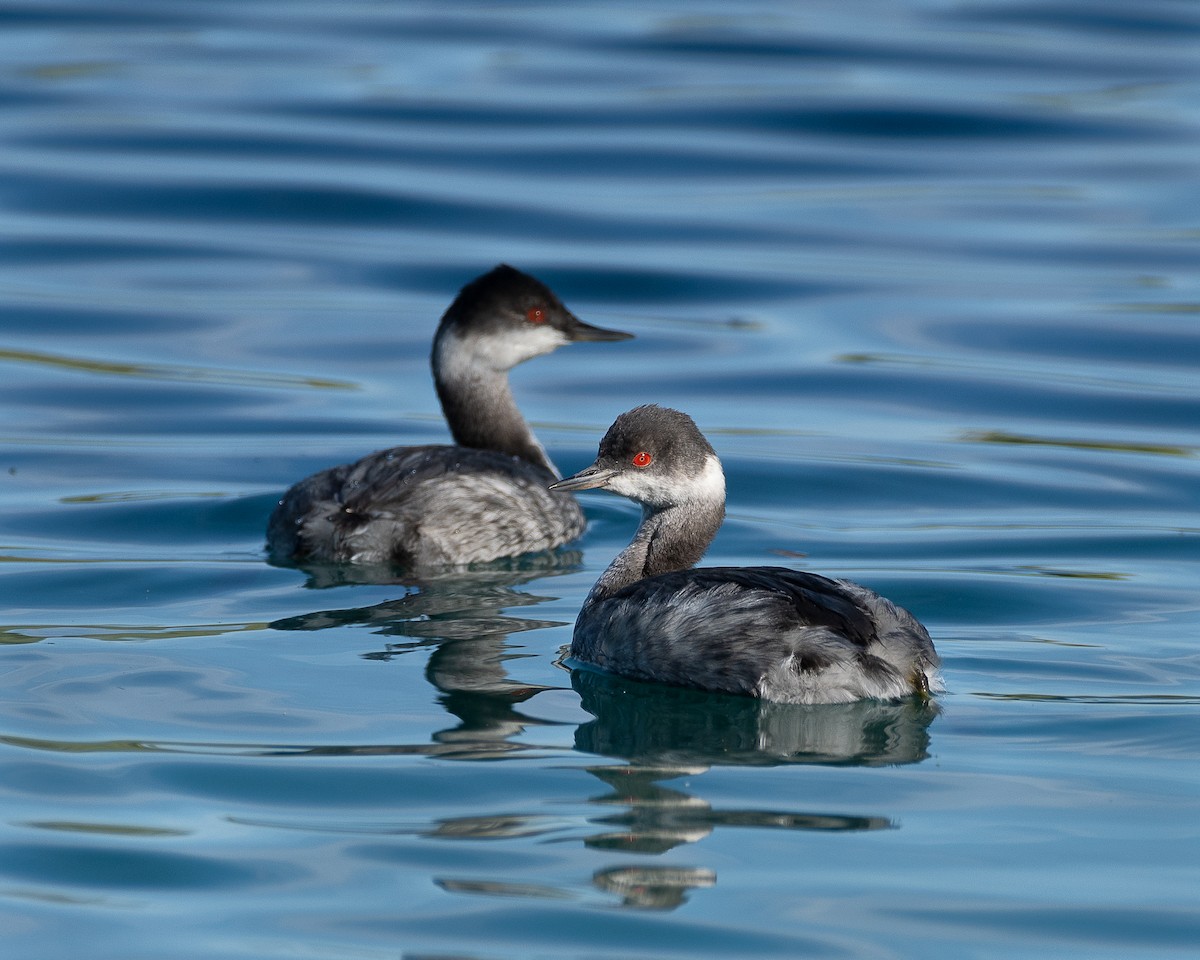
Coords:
pixel 792 598
pixel 728 629
pixel 425 506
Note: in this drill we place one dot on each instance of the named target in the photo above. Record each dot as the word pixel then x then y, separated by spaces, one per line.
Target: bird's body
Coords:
pixel 769 632
pixel 483 498
pixel 422 507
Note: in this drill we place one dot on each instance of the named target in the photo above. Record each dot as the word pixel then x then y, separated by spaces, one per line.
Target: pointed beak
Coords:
pixel 577 330
pixel 589 478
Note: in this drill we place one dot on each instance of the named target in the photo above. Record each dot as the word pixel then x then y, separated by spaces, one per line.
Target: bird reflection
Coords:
pixel 660 725
pixel 653 888
pixel 657 818
pixel 461 617
pixel 322 576
pixel 666 733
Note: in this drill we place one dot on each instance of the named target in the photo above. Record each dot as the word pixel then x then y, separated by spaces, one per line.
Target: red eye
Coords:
pixel 536 315
pixel 641 459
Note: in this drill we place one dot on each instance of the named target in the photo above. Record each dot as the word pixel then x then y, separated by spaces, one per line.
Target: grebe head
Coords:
pixel 657 457
pixel 506 317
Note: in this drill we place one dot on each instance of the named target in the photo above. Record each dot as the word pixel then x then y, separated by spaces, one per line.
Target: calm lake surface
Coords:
pixel 927 274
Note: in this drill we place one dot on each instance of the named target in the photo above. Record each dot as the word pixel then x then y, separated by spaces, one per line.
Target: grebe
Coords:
pixel 768 632
pixel 487 497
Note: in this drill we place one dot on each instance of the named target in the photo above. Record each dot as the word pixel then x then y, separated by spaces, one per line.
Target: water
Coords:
pixel 928 276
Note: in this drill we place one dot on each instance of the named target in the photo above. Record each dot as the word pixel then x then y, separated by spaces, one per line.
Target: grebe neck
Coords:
pixel 669 538
pixel 478 404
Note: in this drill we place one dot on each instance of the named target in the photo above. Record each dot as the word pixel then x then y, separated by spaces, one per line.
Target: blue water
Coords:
pixel 926 273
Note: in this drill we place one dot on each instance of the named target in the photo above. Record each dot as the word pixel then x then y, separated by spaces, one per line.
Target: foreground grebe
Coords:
pixel 766 632
pixel 486 497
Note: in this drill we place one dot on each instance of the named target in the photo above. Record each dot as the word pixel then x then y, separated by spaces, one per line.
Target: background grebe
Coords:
pixel 767 632
pixel 486 497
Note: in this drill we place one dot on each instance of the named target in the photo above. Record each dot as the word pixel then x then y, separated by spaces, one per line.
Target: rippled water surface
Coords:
pixel 927 274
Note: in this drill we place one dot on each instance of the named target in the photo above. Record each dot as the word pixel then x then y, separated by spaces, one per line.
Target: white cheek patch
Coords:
pixel 505 352
pixel 461 358
pixel 640 487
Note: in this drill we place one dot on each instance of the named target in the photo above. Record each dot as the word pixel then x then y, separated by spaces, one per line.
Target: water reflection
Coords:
pixel 667 733
pixel 658 818
pixel 459 607
pixel 653 888
pixel 504 571
pixel 461 617
pixel 652 821
pixel 668 726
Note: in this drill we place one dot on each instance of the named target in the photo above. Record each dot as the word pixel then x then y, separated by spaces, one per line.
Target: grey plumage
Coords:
pixel 768 632
pixel 484 498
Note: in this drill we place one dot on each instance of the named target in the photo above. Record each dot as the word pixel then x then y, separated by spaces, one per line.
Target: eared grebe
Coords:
pixel 485 498
pixel 766 632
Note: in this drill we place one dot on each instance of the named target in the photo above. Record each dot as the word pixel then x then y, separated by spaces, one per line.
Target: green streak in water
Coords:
pixel 155 371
